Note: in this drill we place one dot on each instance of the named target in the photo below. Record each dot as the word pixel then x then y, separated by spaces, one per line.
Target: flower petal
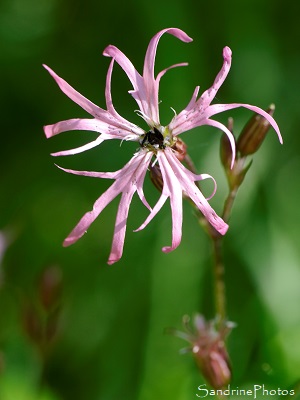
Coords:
pixel 124 62
pixel 107 175
pixel 161 201
pixel 208 96
pixel 207 176
pixel 135 78
pixel 176 179
pixel 183 124
pixel 193 100
pixel 140 181
pixel 172 189
pixel 162 73
pixel 120 227
pixel 184 172
pixel 75 124
pixel 195 194
pixel 105 122
pixel 110 107
pixel 218 108
pixel 138 173
pixel 83 102
pixel 206 209
pixel 80 149
pixel 127 181
pixel 123 181
pixel 150 84
pixel 175 190
pixel 145 87
pixel 229 134
pixel 89 217
pixel 196 110
pixel 148 72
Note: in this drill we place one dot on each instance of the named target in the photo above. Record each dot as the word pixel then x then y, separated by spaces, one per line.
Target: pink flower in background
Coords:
pixel 156 144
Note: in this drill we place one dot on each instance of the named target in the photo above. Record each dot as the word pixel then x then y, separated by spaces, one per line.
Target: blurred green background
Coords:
pixel 71 327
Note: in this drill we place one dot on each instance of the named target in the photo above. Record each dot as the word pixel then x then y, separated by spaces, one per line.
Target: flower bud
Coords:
pixel 181 149
pixel 41 314
pixel 155 173
pixel 254 133
pixel 214 364
pixel 208 348
pixel 156 177
pixel 49 287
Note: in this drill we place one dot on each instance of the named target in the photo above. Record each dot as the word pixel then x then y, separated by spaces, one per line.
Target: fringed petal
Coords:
pixel 218 108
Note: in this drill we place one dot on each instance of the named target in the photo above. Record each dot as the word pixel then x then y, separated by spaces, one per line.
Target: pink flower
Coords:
pixel 158 141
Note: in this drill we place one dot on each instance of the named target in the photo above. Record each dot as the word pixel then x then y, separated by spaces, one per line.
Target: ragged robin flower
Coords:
pixel 157 144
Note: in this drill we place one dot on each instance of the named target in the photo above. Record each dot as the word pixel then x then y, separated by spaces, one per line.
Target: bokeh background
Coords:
pixel 72 327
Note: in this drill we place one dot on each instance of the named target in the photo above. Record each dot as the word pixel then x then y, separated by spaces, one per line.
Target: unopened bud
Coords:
pixel 156 177
pixel 225 147
pixel 208 348
pixel 254 133
pixel 41 317
pixel 181 149
pixel 214 364
pixel 155 173
pixel 50 287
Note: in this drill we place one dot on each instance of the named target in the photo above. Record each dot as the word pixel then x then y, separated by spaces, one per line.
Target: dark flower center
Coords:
pixel 153 138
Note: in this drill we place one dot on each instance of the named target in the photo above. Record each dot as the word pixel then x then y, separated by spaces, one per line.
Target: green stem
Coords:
pixel 219 283
pixel 229 204
pixel 218 264
pixel 217 241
